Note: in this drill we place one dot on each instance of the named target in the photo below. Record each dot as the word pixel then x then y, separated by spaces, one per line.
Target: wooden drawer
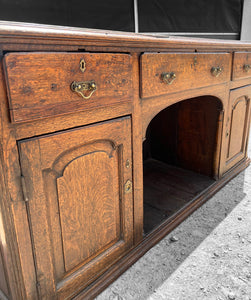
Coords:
pixel 187 70
pixel 39 84
pixel 241 65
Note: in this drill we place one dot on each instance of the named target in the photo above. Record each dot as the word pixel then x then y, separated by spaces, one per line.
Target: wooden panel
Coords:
pixel 236 136
pixel 237 127
pixel 184 134
pixel 83 222
pixel 192 70
pixel 78 187
pixel 39 83
pixel 197 127
pixel 238 130
pixel 241 65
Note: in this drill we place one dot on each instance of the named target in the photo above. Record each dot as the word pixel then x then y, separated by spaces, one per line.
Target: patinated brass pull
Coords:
pixel 247 68
pixel 168 77
pixel 84 89
pixel 216 71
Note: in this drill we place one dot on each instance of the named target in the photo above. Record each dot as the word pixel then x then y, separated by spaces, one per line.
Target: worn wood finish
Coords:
pixel 241 65
pixel 137 155
pixel 23 33
pixel 80 198
pixel 71 170
pixel 39 84
pixel 192 70
pixel 15 232
pixel 152 106
pixel 236 134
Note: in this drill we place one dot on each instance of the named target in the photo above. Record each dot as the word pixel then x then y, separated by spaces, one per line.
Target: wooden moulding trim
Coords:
pixel 159 233
pixel 12 31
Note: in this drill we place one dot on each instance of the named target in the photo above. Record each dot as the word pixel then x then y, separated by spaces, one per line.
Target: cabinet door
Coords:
pixel 237 126
pixel 79 203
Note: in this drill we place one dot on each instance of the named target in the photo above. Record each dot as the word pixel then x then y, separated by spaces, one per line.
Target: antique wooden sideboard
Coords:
pixel 108 141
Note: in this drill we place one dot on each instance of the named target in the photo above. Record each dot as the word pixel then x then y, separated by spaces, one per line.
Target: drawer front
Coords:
pixel 242 65
pixel 43 85
pixel 163 73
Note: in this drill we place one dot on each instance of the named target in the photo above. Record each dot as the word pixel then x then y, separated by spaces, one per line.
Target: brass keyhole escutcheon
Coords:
pixel 128 186
pixel 82 65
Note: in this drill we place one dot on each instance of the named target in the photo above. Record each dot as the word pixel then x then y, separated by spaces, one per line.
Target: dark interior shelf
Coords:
pixel 167 189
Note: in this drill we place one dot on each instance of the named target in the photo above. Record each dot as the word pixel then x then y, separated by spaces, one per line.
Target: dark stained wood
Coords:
pixel 184 134
pixel 39 83
pixel 168 189
pixel 240 60
pixel 197 128
pixel 192 70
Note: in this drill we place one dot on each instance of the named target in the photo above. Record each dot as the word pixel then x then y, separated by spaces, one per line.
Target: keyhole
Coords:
pixel 82 65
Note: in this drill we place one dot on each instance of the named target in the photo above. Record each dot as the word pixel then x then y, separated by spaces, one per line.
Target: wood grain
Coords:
pixel 237 128
pixel 20 272
pixel 39 83
pixel 81 199
pixel 240 60
pixel 191 70
pixel 79 228
pixel 23 33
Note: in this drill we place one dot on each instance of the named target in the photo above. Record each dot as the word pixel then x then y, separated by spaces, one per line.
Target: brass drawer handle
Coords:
pixel 84 89
pixel 168 77
pixel 216 71
pixel 246 68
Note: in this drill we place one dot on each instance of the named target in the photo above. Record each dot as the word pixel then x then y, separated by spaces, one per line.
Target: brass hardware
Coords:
pixel 127 163
pixel 84 89
pixel 247 68
pixel 216 71
pixel 82 65
pixel 128 186
pixel 168 77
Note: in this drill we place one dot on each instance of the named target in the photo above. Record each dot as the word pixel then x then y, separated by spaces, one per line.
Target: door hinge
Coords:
pixel 26 199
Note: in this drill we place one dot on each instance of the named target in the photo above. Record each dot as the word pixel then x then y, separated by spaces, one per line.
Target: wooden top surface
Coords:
pixel 28 33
